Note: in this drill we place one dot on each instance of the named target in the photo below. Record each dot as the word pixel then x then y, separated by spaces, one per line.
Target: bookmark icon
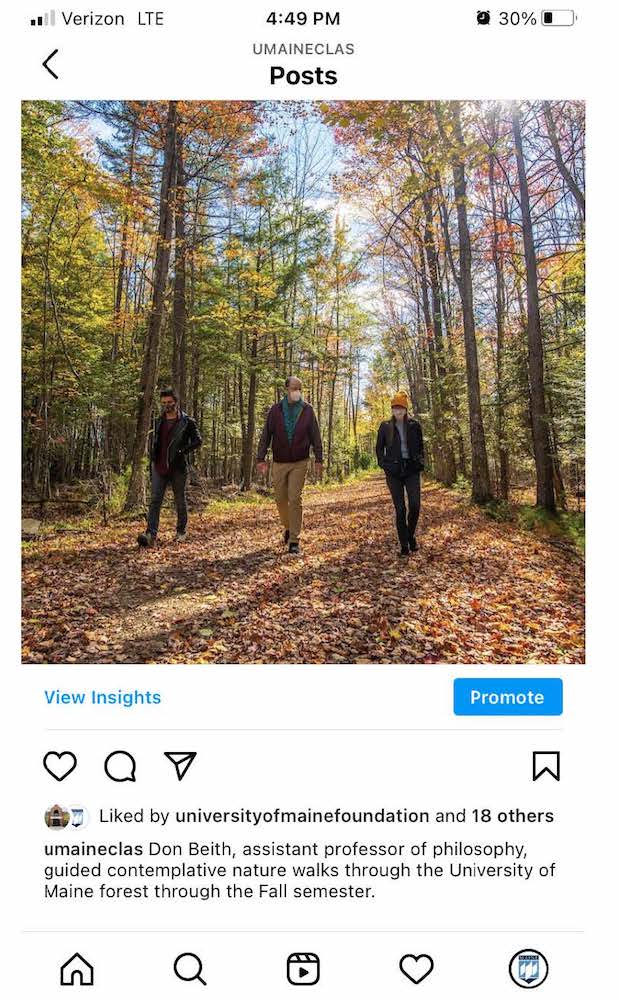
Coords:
pixel 546 762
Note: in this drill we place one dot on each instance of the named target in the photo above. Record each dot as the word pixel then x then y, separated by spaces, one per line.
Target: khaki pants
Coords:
pixel 288 479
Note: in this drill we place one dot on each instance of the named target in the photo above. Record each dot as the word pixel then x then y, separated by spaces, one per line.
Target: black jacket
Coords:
pixel 388 447
pixel 185 438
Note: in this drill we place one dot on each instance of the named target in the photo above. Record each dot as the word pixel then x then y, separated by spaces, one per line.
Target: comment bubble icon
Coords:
pixel 120 766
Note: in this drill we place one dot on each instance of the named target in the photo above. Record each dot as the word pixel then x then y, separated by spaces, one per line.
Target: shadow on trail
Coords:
pixel 288 593
pixel 232 594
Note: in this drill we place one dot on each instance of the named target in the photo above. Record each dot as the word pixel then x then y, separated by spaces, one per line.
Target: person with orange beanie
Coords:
pixel 401 454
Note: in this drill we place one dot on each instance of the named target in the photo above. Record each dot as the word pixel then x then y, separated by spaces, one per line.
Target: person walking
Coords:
pixel 291 429
pixel 175 436
pixel 400 453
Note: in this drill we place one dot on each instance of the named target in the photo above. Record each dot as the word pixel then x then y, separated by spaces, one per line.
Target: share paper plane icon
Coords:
pixel 182 760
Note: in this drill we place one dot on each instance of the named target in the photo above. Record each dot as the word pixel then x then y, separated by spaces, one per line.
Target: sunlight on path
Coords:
pixel 477 591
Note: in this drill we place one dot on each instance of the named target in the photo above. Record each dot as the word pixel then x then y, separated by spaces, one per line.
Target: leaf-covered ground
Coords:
pixel 476 592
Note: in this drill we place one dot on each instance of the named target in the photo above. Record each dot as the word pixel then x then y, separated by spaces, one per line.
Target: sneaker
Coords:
pixel 287 537
pixel 294 548
pixel 413 543
pixel 146 539
pixel 181 536
pixel 405 551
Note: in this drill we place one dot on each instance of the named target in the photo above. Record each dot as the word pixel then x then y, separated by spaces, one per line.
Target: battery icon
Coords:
pixel 558 18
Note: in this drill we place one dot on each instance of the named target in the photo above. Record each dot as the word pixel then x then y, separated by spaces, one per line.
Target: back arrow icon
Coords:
pixel 45 64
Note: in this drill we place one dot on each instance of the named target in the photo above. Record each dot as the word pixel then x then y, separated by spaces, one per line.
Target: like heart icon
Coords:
pixel 416 967
pixel 60 765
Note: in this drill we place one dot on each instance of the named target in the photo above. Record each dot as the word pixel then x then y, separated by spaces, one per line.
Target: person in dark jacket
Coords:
pixel 175 435
pixel 400 453
pixel 291 429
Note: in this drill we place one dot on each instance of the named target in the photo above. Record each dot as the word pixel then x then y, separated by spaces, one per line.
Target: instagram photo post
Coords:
pixel 311 342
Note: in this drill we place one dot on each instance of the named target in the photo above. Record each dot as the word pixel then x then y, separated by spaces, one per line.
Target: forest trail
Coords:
pixel 477 591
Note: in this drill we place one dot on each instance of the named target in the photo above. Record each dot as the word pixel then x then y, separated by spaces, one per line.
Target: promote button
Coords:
pixel 513 696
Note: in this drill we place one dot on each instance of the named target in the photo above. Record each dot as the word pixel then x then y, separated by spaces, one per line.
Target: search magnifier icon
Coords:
pixel 188 967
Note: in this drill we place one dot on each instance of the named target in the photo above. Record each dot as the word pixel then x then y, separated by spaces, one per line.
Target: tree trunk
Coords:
pixel 480 470
pixel 335 373
pixel 448 471
pixel 179 289
pixel 248 441
pixel 452 371
pixel 119 313
pixel 563 169
pixel 435 451
pixel 540 431
pixel 156 314
pixel 500 306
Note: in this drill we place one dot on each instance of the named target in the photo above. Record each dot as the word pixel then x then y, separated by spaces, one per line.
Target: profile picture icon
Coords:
pixel 57 817
pixel 528 969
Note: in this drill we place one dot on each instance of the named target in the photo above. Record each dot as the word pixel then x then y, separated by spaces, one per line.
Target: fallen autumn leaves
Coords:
pixel 476 591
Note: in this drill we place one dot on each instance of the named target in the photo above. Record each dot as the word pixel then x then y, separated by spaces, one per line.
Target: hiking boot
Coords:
pixel 181 536
pixel 287 537
pixel 294 548
pixel 413 543
pixel 146 539
pixel 405 551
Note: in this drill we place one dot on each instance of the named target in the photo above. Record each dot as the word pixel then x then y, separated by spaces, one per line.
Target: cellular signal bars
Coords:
pixel 48 20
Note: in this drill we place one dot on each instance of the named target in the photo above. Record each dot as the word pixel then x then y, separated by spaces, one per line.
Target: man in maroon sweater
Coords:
pixel 291 429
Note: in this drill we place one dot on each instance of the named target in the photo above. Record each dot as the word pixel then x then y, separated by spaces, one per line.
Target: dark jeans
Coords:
pixel 177 480
pixel 408 483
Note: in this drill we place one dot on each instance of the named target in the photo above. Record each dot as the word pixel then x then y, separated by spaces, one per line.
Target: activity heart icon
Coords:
pixel 60 765
pixel 416 967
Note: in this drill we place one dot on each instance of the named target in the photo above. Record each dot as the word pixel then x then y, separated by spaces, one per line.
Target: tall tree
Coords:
pixel 539 417
pixel 146 391
pixel 179 288
pixel 481 491
pixel 564 169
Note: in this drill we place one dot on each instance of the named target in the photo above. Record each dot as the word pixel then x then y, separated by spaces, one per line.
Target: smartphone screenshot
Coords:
pixel 311 328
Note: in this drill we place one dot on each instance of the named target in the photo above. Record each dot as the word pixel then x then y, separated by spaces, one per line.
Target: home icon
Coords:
pixel 77 972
